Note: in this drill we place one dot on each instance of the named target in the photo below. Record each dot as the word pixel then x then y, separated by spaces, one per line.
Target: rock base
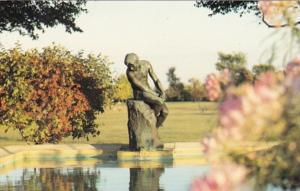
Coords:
pixel 142 129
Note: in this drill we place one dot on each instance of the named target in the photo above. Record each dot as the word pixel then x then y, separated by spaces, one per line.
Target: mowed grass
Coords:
pixel 187 121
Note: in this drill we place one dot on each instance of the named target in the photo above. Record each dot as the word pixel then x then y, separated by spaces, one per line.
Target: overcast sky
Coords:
pixel 169 33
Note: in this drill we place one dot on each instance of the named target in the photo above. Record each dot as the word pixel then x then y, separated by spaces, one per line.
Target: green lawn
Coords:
pixel 187 121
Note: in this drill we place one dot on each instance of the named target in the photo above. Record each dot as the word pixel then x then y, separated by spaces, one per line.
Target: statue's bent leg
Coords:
pixel 159 106
pixel 152 99
pixel 162 116
pixel 160 110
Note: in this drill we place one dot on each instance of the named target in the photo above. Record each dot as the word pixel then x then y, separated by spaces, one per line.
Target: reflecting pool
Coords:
pixel 108 176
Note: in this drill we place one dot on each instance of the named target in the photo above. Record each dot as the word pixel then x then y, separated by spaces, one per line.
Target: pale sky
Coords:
pixel 169 33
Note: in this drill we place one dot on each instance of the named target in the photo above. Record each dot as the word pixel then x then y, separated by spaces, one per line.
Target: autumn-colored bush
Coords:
pixel 51 94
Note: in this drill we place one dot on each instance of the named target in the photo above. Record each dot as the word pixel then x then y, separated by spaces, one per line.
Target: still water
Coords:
pixel 106 177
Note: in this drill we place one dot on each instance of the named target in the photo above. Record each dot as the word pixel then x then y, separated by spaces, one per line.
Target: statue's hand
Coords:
pixel 150 91
pixel 163 95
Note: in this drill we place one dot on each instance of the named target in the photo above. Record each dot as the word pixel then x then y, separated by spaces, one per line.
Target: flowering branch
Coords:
pixel 276 26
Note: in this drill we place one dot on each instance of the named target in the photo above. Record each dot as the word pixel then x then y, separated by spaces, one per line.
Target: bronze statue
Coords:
pixel 137 74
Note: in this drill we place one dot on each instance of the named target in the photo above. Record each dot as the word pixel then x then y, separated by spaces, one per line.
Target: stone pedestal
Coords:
pixel 142 129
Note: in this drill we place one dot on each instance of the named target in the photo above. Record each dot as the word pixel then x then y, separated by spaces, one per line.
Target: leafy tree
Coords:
pixel 28 17
pixel 236 64
pixel 196 89
pixel 178 91
pixel 261 68
pixel 186 94
pixel 95 80
pixel 172 77
pixel 176 88
pixel 232 62
pixel 123 89
pixel 242 75
pixel 52 94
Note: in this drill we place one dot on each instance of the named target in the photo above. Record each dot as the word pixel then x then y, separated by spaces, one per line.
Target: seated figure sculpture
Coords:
pixel 137 74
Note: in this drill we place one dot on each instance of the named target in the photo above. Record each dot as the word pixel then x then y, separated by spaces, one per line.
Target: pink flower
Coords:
pixel 266 93
pixel 278 12
pixel 209 144
pixel 295 84
pixel 221 178
pixel 272 8
pixel 225 77
pixel 214 83
pixel 230 114
pixel 267 79
pixel 292 72
pixel 213 87
pixel 204 185
pixel 293 67
pixel 264 6
pixel 249 107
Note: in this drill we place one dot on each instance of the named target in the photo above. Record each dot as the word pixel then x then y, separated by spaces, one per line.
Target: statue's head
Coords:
pixel 131 61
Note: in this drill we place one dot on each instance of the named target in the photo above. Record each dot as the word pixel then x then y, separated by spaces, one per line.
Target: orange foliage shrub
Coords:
pixel 46 95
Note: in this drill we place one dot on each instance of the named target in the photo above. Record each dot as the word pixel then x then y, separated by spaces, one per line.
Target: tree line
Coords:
pixel 236 63
pixel 194 90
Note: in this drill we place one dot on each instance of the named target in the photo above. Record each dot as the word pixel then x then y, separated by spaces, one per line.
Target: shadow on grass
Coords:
pixel 6 150
pixel 4 138
pixel 207 113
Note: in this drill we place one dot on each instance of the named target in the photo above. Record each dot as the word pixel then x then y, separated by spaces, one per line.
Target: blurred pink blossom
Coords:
pixel 213 87
pixel 264 6
pixel 277 13
pixel 209 144
pixel 215 82
pixel 295 84
pixel 225 76
pixel 267 79
pixel 250 108
pixel 229 113
pixel 293 67
pixel 246 114
pixel 221 178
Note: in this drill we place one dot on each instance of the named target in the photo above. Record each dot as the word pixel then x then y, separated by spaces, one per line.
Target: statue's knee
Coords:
pixel 165 112
pixel 161 102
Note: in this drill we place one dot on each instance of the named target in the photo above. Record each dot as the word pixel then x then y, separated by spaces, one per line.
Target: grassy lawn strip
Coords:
pixel 187 121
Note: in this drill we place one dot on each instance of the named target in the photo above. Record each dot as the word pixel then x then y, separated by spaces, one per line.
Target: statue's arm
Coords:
pixel 133 80
pixel 156 81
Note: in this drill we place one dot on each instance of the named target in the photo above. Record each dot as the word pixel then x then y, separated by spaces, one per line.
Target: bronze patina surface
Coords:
pixel 147 111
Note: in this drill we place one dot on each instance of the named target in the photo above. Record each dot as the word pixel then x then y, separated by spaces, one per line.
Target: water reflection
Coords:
pixel 45 179
pixel 109 177
pixel 146 179
pixel 77 179
pixel 112 177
